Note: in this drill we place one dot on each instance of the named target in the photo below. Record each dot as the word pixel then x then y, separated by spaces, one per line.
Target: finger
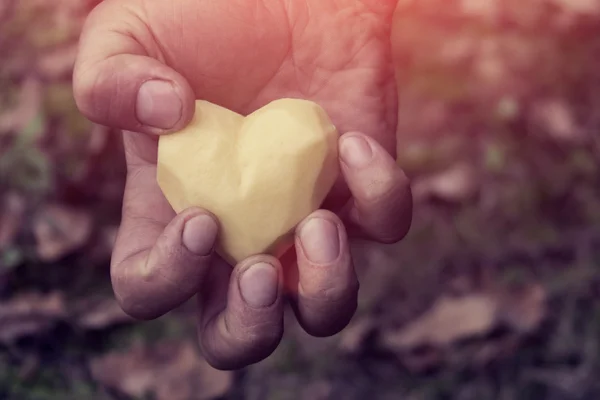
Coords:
pixel 119 79
pixel 159 259
pixel 153 281
pixel 381 208
pixel 326 293
pixel 241 317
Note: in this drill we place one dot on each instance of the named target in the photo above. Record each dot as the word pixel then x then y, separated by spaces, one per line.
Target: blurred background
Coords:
pixel 494 294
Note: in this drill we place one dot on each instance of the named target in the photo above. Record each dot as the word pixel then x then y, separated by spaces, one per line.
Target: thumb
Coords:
pixel 119 79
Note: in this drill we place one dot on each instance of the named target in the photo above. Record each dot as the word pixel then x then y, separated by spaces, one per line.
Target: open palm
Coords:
pixel 142 63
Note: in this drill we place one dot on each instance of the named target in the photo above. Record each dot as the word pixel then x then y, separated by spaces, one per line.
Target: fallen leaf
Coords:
pixel 6 8
pixel 98 139
pixel 353 337
pixel 455 318
pixel 450 319
pixel 555 117
pixel 99 313
pixel 422 361
pixel 490 66
pixel 166 370
pixel 526 13
pixel 28 107
pixel 11 218
pixel 109 235
pixel 30 314
pixel 30 365
pixel 103 245
pixel 488 9
pixel 317 390
pixel 492 350
pixel 455 184
pixel 457 50
pixel 57 63
pixel 524 309
pixel 579 6
pixel 60 230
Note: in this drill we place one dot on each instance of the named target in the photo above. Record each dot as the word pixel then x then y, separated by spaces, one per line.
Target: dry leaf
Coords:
pixel 555 117
pixel 454 51
pixel 57 63
pixel 579 6
pixel 109 235
pixel 104 243
pixel 167 370
pixel 30 314
pixel 422 361
pixel 28 106
pixel 450 319
pixel 355 334
pixel 11 218
pixel 98 139
pixel 490 66
pixel 488 9
pixel 491 350
pixel 455 184
pixel 317 390
pixel 60 230
pixel 6 8
pixel 524 309
pixel 453 318
pixel 99 313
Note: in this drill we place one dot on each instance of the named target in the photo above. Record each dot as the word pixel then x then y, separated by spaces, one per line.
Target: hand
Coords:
pixel 142 64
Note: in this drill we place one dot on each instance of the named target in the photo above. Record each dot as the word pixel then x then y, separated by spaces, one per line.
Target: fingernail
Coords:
pixel 320 240
pixel 356 152
pixel 158 105
pixel 259 285
pixel 199 234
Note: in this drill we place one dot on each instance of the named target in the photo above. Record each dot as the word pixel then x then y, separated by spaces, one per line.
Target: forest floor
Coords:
pixel 494 294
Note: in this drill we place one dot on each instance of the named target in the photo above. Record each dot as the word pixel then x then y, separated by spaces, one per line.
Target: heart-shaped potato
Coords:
pixel 260 174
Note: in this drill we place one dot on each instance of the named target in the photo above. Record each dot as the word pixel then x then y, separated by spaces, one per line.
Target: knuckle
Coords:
pixel 166 253
pixel 382 188
pixel 330 290
pixel 256 334
pixel 133 280
pixel 259 330
pixel 378 188
pixel 234 350
pixel 85 85
pixel 95 90
pixel 129 301
pixel 326 295
pixel 261 341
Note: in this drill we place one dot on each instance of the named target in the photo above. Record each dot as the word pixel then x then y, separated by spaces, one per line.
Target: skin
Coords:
pixel 242 54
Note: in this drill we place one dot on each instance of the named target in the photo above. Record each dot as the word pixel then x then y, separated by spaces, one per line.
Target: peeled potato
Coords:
pixel 260 175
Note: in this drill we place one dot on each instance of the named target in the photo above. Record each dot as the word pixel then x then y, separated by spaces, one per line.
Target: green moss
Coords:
pixel 46 383
pixel 26 168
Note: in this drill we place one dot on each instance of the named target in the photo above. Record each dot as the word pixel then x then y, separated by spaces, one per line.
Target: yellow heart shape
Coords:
pixel 260 175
